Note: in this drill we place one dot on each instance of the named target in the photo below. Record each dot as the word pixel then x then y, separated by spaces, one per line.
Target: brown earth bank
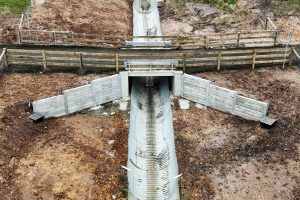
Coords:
pixel 104 17
pixel 80 156
pixel 76 157
pixel 226 157
pixel 200 19
pixel 8 24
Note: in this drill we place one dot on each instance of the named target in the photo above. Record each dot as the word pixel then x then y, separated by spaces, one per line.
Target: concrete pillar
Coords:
pixel 177 84
pixel 124 85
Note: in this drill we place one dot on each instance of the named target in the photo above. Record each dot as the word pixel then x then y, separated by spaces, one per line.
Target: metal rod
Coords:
pixel 286 49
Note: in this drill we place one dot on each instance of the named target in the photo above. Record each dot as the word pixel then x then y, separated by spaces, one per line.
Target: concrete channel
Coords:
pixel 152 163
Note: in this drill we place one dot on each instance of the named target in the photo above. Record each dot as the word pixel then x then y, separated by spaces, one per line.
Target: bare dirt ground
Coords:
pixel 80 156
pixel 88 16
pixel 77 157
pixel 198 19
pixel 8 25
pixel 225 157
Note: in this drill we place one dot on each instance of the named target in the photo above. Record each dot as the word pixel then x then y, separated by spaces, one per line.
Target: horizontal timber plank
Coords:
pixel 25 63
pixel 12 56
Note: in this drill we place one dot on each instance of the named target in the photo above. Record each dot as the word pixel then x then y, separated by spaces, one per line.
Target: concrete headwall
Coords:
pixel 202 91
pixel 98 92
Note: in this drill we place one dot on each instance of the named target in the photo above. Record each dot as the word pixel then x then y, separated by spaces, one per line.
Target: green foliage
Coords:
pixel 15 6
pixel 289 5
pixel 124 183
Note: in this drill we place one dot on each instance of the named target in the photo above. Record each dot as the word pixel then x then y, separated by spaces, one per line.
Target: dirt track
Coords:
pixel 88 16
pixel 80 156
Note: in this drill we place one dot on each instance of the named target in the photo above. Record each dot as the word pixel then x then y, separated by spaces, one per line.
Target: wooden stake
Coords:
pixel 291 57
pixel 80 61
pixel 44 60
pixel 253 59
pixel 219 61
pixel 238 40
pixel 117 63
pixel 5 58
pixel 275 38
pixel 184 62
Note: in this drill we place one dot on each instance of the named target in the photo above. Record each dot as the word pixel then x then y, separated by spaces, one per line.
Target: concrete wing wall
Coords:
pixel 222 99
pixel 196 89
pixel 79 98
pixel 250 109
pixel 98 92
pixel 51 107
pixel 106 89
pixel 202 91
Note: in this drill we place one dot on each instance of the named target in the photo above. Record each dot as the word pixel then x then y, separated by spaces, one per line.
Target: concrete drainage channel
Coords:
pixel 152 163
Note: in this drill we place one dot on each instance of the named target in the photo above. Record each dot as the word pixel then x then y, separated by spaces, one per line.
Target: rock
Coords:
pixel 12 162
pixel 252 139
pixel 1 163
pixel 96 108
pixel 111 142
pixel 113 130
pixel 205 10
pixel 123 106
pixel 200 106
pixel 114 196
pixel 112 113
pixel 105 114
pixel 184 104
pixel 2 180
pixel 116 102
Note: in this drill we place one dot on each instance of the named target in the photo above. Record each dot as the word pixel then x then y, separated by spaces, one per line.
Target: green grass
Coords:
pixel 289 5
pixel 14 6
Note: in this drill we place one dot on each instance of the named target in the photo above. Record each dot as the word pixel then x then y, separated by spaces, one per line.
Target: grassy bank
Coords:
pixel 14 6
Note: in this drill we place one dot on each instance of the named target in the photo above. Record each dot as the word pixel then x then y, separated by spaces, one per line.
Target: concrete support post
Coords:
pixel 124 85
pixel 177 84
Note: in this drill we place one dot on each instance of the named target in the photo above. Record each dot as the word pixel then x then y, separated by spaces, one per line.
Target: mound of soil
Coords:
pixel 88 16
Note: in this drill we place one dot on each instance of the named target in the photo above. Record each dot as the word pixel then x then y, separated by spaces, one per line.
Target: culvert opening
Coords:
pixel 156 80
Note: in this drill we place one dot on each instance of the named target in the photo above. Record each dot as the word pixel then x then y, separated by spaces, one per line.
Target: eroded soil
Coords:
pixel 88 16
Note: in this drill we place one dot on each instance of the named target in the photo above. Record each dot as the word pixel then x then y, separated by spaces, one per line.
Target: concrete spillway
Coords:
pixel 152 164
pixel 151 154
